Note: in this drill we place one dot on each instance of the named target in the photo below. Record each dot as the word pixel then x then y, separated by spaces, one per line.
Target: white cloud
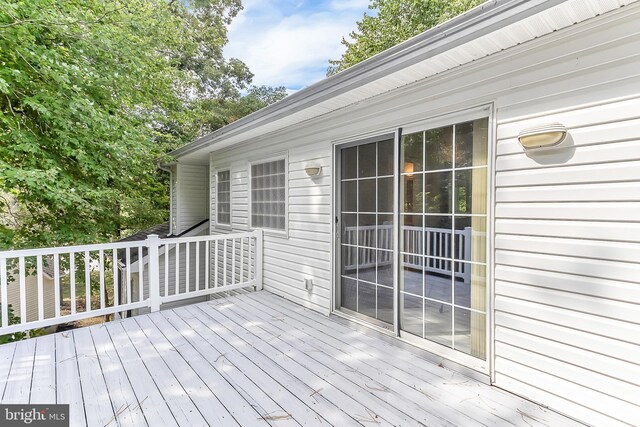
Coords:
pixel 359 5
pixel 288 43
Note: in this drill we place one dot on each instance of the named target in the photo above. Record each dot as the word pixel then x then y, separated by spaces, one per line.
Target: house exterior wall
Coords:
pixel 191 196
pixel 13 296
pixel 173 214
pixel 566 277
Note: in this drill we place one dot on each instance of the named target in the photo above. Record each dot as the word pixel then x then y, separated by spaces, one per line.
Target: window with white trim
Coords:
pixel 268 195
pixel 223 198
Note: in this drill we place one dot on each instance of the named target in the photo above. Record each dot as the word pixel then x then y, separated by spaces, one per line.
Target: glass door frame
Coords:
pixel 337 228
pixel 463 360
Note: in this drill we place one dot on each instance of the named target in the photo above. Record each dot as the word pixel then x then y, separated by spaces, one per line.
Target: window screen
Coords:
pixel 223 198
pixel 268 201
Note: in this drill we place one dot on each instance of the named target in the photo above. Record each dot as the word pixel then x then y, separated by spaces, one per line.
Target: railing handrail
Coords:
pixel 213 237
pixel 242 268
pixel 59 250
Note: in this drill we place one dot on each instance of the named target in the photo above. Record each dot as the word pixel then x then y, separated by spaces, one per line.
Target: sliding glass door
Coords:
pixel 432 286
pixel 366 230
pixel 443 223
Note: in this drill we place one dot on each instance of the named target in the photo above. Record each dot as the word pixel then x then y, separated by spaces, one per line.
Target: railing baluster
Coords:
pixel 251 254
pixel 259 258
pixel 166 269
pixel 224 265
pixel 446 254
pixel 242 260
pixel 233 261
pixel 39 273
pixel 187 285
pixel 3 291
pixel 176 291
pixel 87 280
pixel 140 274
pixel 127 267
pixel 116 287
pixel 23 291
pixel 197 266
pixel 72 281
pixel 56 285
pixel 101 255
pixel 207 264
pixel 154 301
pixel 216 279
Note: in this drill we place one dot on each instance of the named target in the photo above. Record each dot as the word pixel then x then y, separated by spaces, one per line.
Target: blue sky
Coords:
pixel 289 42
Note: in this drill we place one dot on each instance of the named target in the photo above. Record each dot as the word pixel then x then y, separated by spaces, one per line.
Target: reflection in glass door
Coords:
pixel 366 225
pixel 443 221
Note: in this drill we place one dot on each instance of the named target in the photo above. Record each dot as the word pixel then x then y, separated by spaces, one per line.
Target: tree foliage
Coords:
pixel 395 22
pixel 92 93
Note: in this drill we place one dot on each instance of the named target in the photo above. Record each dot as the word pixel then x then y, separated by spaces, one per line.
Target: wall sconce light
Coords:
pixel 313 170
pixel 548 135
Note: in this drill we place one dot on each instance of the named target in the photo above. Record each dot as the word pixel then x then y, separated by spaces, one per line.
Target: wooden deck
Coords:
pixel 250 359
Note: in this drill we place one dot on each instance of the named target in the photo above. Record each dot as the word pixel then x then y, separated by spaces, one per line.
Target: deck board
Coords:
pixel 21 373
pixel 43 388
pixel 7 352
pixel 251 359
pixel 316 391
pixel 378 374
pixel 456 389
pixel 206 402
pixel 99 408
pixel 284 388
pixel 68 386
pixel 155 409
pixel 123 398
pixel 364 401
pixel 233 401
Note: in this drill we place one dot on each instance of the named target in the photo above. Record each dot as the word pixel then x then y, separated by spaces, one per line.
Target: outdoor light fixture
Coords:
pixel 548 135
pixel 313 170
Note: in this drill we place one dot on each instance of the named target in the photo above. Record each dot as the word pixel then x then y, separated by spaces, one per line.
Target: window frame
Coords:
pixel 222 225
pixel 271 231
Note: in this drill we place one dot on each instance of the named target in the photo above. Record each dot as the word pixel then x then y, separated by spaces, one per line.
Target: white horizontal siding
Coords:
pixel 567 277
pixel 31 283
pixel 306 250
pixel 193 195
pixel 567 227
pixel 173 217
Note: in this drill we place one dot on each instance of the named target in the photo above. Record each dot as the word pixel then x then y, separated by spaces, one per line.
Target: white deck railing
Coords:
pixel 164 271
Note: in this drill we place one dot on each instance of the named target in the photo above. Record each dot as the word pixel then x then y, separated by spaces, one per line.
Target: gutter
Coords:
pixel 477 22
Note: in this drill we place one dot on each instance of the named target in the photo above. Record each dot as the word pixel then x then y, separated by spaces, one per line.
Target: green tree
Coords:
pixel 92 93
pixel 211 113
pixel 395 22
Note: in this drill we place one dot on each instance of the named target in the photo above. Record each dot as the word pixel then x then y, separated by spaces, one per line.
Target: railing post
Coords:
pixel 259 258
pixel 153 243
